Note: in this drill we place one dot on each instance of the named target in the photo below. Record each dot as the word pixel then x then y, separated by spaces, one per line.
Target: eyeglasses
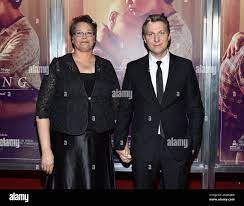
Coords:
pixel 159 34
pixel 86 34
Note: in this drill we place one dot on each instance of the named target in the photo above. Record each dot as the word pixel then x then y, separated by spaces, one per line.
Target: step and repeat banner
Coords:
pixel 119 36
pixel 231 84
pixel 24 59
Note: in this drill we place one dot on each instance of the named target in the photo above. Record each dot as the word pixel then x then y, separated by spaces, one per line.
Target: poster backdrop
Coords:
pixel 119 22
pixel 24 58
pixel 231 84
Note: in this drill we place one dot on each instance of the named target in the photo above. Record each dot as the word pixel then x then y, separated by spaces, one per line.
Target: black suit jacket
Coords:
pixel 181 110
pixel 63 99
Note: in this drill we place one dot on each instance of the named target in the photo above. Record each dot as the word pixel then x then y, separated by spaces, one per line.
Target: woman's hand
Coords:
pixel 47 161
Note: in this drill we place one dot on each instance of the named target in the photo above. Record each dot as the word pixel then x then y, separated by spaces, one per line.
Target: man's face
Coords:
pixel 84 38
pixel 157 38
pixel 141 7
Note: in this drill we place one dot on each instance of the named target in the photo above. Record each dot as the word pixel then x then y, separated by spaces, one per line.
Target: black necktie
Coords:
pixel 160 91
pixel 159 82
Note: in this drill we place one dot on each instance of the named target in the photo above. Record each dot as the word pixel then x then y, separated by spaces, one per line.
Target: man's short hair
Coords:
pixel 155 18
pixel 15 3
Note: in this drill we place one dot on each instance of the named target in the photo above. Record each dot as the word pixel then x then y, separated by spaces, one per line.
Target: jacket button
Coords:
pixel 149 118
pixel 89 98
pixel 93 118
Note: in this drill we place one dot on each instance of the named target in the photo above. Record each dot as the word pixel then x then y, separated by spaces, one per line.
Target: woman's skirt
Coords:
pixel 81 162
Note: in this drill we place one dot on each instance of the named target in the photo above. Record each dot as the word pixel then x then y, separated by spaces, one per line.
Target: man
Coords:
pixel 119 39
pixel 231 101
pixel 166 111
pixel 19 44
pixel 19 51
pixel 19 54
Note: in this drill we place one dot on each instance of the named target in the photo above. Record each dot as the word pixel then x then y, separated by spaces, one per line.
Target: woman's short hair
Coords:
pixel 82 19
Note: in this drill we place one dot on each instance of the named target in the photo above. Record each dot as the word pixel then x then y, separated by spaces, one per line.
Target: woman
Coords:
pixel 75 115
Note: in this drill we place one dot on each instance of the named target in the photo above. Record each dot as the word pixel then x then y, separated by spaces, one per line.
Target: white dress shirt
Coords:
pixel 153 71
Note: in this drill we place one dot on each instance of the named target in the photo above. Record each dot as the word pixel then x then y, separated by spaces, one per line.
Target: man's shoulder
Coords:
pixel 134 67
pixel 23 26
pixel 139 61
pixel 179 59
pixel 234 63
pixel 181 64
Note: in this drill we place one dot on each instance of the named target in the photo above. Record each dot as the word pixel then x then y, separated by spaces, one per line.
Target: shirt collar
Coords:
pixel 165 59
pixel 15 26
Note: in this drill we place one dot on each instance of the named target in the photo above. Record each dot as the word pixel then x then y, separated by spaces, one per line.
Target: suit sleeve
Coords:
pixel 47 91
pixel 125 111
pixel 195 111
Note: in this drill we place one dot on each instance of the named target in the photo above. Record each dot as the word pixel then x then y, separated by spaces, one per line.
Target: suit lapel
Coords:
pixel 73 67
pixel 98 69
pixel 170 80
pixel 70 63
pixel 146 82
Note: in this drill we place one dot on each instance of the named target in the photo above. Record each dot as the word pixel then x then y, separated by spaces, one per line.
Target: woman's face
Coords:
pixel 84 38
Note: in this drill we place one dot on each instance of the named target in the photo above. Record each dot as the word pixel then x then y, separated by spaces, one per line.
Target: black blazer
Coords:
pixel 63 99
pixel 181 110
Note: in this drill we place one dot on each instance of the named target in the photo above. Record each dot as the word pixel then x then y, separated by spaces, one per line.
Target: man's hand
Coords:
pixel 236 42
pixel 124 154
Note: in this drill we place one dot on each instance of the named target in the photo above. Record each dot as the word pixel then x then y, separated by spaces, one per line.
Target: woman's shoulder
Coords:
pixel 59 62
pixel 63 59
pixel 102 60
pixel 66 57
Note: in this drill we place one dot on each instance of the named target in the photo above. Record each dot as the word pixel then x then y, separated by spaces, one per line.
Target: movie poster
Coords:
pixel 119 36
pixel 24 59
pixel 231 84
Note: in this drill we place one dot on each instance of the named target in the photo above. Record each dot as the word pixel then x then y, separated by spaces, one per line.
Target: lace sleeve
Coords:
pixel 47 92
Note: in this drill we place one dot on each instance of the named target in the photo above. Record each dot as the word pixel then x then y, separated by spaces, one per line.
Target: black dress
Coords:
pixel 82 161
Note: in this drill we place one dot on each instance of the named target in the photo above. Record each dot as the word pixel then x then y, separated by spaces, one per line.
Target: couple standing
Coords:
pixel 76 113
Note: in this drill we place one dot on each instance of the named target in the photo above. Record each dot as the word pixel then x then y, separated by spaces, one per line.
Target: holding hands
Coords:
pixel 125 154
